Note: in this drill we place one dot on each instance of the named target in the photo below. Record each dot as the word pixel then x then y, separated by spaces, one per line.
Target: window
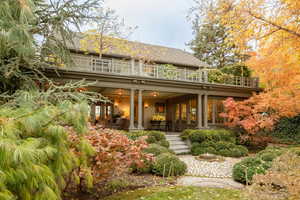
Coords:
pixel 160 108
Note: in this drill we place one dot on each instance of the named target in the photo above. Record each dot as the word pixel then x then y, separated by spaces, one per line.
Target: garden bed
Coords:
pixel 127 182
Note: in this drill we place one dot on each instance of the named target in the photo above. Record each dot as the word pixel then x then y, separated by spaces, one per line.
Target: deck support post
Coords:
pixel 214 112
pixel 199 111
pixel 131 126
pixel 188 112
pixel 205 110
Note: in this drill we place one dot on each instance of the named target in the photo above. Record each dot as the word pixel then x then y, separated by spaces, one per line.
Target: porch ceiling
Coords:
pixel 147 94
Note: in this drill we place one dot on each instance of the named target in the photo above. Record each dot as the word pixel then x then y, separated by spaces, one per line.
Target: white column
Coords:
pixel 205 111
pixel 199 111
pixel 140 110
pixel 131 126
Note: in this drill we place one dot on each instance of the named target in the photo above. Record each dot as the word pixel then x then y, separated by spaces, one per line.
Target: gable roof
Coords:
pixel 130 49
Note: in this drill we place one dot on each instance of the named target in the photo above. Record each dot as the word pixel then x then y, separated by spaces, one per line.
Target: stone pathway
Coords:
pixel 209 182
pixel 209 174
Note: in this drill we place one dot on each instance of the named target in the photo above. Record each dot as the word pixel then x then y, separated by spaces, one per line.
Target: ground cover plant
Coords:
pixel 219 141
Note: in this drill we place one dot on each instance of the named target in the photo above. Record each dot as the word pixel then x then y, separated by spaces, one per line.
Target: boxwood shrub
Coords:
pixel 247 168
pixel 167 164
pixel 222 148
pixel 213 135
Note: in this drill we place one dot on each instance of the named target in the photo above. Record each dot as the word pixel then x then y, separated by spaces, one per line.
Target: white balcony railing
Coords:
pixel 94 64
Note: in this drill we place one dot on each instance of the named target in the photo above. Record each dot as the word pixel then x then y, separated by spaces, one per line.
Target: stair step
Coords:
pixel 181 151
pixel 179 146
pixel 176 142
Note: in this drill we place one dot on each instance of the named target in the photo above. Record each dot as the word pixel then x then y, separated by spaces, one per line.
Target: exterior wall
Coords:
pixel 149 111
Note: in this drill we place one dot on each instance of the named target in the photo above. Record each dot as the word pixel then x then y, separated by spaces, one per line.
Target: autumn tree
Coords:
pixel 107 32
pixel 272 27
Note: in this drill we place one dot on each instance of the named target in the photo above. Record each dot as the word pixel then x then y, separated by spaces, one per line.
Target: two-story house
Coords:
pixel 152 87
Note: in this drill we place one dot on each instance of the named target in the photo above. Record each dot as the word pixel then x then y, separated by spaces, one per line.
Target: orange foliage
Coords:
pixel 273 26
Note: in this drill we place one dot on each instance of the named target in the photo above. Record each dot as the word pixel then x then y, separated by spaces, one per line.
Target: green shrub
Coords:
pixel 208 144
pixel 245 170
pixel 155 136
pixel 163 143
pixel 212 135
pixel 168 164
pixel 288 129
pixel 134 135
pixel 156 149
pixel 220 148
pixel 270 153
pixel 186 134
pixel 146 169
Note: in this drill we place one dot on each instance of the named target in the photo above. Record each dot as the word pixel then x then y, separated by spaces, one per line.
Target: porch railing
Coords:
pixel 94 64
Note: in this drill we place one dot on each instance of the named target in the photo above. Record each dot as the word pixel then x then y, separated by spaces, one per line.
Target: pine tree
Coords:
pixel 213 46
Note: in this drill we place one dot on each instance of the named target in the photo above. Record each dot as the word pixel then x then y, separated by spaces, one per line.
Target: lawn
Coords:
pixel 178 193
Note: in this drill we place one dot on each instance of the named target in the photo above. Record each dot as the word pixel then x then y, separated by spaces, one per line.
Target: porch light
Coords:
pixel 155 94
pixel 120 92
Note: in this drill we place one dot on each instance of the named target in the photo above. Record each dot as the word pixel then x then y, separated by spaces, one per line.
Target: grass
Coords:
pixel 178 193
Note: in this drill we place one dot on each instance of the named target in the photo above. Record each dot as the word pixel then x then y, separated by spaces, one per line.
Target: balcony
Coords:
pixel 93 64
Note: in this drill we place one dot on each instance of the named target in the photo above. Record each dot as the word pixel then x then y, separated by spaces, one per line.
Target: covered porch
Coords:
pixel 138 109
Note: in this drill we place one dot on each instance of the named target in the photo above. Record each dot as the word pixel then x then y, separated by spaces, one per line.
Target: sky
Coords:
pixel 160 22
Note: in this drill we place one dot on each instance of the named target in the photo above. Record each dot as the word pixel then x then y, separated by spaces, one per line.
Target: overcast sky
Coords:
pixel 160 22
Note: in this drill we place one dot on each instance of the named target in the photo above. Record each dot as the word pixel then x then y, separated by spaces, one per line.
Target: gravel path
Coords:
pixel 209 174
pixel 209 169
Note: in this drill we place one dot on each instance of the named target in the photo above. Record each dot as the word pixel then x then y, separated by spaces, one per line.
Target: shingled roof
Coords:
pixel 125 48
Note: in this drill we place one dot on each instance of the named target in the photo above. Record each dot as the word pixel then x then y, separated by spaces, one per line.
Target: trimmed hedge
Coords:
pixel 222 148
pixel 214 135
pixel 218 141
pixel 245 170
pixel 168 164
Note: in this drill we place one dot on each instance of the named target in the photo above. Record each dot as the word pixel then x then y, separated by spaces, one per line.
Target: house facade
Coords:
pixel 152 87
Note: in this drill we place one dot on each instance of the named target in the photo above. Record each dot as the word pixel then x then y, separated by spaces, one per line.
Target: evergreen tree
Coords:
pixel 29 30
pixel 213 46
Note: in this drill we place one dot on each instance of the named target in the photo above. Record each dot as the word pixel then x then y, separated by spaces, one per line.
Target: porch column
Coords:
pixel 188 112
pixel 140 110
pixel 199 111
pixel 131 126
pixel 205 111
pixel 214 112
pixel 180 116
